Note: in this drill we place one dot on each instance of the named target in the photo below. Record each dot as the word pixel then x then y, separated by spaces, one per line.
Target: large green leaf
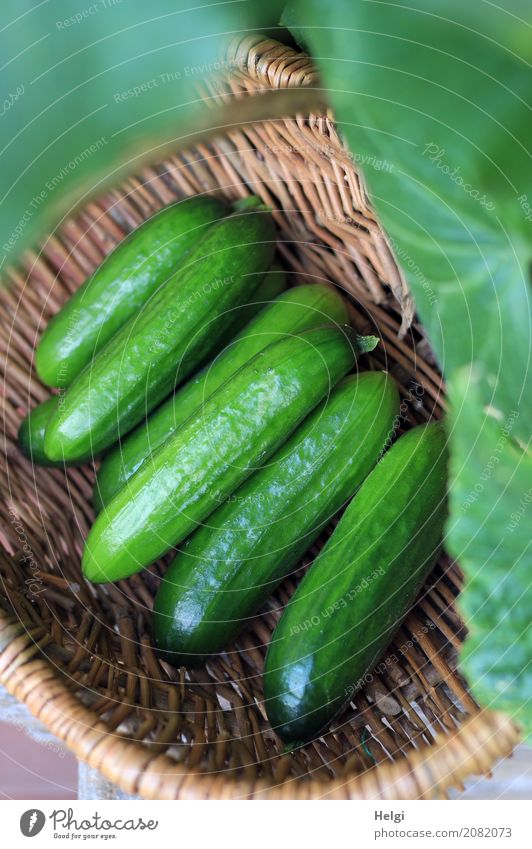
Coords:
pixel 443 95
pixel 89 87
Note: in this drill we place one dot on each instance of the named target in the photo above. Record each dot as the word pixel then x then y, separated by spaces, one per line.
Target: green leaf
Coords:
pixel 491 511
pixel 436 103
pixel 95 87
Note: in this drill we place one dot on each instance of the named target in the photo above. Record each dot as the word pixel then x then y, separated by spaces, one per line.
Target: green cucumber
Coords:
pixel 165 342
pixel 293 311
pixel 272 284
pixel 230 565
pixel 124 281
pixel 31 433
pixel 360 587
pixel 235 431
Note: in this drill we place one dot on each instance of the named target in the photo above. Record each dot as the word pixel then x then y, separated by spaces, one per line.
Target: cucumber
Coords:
pixel 231 564
pixel 359 589
pixel 31 433
pixel 164 343
pixel 294 311
pixel 236 429
pixel 272 284
pixel 120 286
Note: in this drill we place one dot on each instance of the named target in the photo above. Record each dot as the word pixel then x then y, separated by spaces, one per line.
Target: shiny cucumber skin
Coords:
pixel 124 281
pixel 32 430
pixel 359 589
pixel 229 566
pixel 293 311
pixel 235 431
pixel 159 348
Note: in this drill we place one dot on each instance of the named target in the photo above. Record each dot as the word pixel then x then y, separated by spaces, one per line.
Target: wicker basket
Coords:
pixel 81 657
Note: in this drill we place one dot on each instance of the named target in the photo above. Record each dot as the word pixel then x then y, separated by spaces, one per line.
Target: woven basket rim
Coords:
pixel 471 747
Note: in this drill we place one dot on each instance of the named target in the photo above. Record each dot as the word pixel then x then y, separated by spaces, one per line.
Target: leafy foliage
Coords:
pixel 445 99
pixel 93 88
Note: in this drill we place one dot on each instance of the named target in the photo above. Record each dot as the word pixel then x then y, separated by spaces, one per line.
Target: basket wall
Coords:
pixel 81 656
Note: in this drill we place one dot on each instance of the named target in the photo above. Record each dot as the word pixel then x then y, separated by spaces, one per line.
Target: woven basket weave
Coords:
pixel 81 656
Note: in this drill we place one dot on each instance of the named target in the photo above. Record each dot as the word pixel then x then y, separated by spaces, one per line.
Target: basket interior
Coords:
pixel 97 638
